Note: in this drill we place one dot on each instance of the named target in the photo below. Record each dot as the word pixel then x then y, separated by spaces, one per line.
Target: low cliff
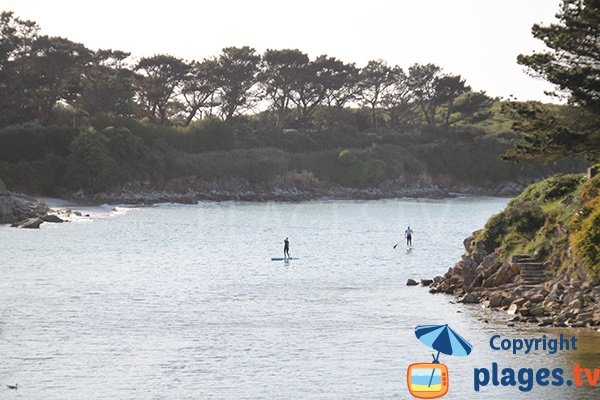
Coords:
pixel 538 259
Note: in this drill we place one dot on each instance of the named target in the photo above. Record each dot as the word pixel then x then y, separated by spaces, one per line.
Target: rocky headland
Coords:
pixel 538 260
pixel 528 289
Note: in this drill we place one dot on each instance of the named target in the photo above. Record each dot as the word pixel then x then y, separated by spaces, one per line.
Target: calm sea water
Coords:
pixel 183 302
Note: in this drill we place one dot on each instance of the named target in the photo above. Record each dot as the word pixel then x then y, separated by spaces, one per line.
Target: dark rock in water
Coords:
pixel 411 282
pixel 426 282
pixel 52 218
pixel 496 301
pixel 31 223
pixel 77 213
pixel 17 207
pixel 469 298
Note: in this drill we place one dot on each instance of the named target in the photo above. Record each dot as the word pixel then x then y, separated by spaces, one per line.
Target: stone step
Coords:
pixel 518 258
pixel 536 267
pixel 533 273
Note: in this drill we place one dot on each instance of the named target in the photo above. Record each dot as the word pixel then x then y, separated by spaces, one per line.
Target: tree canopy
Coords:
pixel 44 78
pixel 572 64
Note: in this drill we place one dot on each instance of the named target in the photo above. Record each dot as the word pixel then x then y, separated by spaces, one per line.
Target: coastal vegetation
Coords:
pixel 539 258
pixel 76 120
pixel 548 220
pixel 557 219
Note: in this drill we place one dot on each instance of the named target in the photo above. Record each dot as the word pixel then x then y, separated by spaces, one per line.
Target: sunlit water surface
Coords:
pixel 183 302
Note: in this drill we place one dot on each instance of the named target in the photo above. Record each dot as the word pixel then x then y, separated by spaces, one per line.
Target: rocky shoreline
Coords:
pixel 22 211
pixel 190 192
pixel 532 291
pixel 27 212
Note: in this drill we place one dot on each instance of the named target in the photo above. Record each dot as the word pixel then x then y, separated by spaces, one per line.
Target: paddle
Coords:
pixel 396 245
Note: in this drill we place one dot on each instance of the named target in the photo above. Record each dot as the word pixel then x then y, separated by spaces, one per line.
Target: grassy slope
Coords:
pixel 556 220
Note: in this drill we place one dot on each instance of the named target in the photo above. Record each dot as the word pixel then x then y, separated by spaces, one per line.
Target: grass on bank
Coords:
pixel 555 220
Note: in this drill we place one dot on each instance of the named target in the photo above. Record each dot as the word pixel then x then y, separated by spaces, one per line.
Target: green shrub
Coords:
pixel 31 142
pixel 590 189
pixel 347 157
pixel 550 189
pixel 205 135
pixel 516 224
pixel 587 240
pixel 90 166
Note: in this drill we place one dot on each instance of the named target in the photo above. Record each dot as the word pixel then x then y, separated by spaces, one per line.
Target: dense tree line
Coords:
pixel 40 75
pixel 73 119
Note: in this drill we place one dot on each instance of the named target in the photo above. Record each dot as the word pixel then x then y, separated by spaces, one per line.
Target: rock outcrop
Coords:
pixel 522 287
pixel 18 207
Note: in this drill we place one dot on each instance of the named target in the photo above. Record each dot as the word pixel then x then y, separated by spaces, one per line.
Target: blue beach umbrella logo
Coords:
pixel 431 380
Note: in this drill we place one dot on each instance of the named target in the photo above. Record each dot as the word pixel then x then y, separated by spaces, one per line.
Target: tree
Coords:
pixel 432 90
pixel 398 100
pixel 54 71
pixel 373 81
pixel 160 80
pixel 283 71
pixel 317 80
pixel 470 107
pixel 36 72
pixel 572 63
pixel 16 40
pixel 236 72
pixel 199 88
pixel 108 84
pixel 552 132
pixel 343 86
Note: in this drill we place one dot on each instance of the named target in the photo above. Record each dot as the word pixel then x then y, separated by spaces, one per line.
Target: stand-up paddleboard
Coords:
pixel 283 259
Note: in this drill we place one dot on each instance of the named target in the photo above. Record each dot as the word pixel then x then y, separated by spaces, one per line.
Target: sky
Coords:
pixel 478 39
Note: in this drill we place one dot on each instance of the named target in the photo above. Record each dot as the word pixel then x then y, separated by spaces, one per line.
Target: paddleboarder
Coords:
pixel 286 248
pixel 408 235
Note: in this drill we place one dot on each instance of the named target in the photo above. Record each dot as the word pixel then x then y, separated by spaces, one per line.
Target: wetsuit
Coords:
pixel 286 249
pixel 408 233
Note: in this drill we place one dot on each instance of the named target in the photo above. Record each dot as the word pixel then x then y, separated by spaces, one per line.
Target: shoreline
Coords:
pixel 146 195
pixel 529 291
pixel 26 211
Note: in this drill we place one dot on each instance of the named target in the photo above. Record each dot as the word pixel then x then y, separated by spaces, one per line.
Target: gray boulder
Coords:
pixel 470 298
pixel 18 207
pixel 52 218
pixel 30 223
